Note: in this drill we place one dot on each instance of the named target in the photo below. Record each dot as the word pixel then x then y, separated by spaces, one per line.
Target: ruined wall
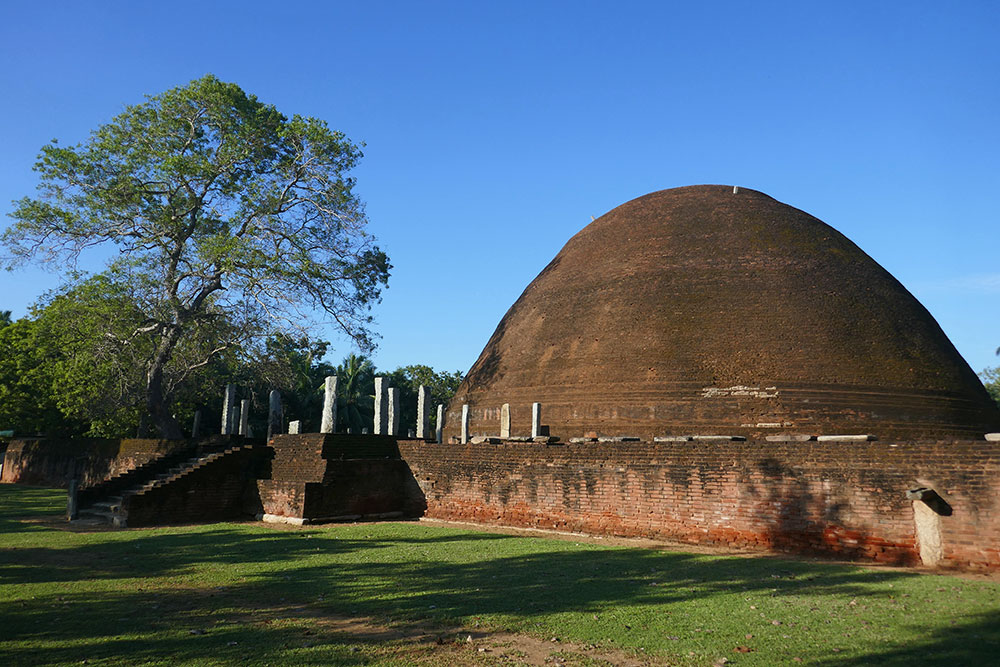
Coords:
pixel 837 498
pixel 221 490
pixel 53 462
pixel 316 476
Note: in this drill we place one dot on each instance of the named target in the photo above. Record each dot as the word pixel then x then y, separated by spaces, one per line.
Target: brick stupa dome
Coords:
pixel 700 310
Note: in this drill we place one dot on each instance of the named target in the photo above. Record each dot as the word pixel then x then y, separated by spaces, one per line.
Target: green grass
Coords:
pixel 254 594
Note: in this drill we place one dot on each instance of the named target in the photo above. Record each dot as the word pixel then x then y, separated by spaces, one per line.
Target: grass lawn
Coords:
pixel 363 594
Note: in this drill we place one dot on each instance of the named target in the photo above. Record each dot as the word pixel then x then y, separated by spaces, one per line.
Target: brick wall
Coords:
pixel 45 462
pixel 840 499
pixel 221 490
pixel 317 476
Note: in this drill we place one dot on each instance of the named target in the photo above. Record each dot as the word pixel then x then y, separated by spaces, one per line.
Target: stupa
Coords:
pixel 719 310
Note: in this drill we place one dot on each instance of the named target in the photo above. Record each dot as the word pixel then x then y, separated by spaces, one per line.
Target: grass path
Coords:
pixel 381 594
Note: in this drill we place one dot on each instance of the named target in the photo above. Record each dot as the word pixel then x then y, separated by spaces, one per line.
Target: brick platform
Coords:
pixel 839 499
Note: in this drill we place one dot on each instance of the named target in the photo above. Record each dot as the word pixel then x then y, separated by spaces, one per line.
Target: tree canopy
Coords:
pixel 222 210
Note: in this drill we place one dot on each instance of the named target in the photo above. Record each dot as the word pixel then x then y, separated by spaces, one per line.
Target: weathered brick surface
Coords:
pixel 317 476
pixel 840 499
pixel 50 462
pixel 223 489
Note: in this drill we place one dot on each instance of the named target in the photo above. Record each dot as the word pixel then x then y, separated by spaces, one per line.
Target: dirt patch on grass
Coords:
pixel 430 645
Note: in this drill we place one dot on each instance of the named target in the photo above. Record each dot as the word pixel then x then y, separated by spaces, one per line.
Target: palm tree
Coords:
pixel 4 318
pixel 356 394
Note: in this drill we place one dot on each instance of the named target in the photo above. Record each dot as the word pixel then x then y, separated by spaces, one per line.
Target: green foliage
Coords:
pixel 215 203
pixel 355 394
pixel 77 366
pixel 442 386
pixel 28 403
pixel 991 380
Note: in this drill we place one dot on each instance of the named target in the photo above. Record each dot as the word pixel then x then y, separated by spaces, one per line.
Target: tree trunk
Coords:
pixel 156 401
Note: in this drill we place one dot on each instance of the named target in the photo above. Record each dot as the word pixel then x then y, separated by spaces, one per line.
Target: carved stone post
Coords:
pixel 423 410
pixel 229 410
pixel 294 427
pixel 439 434
pixel 536 420
pixel 245 417
pixel 465 423
pixel 393 410
pixel 196 424
pixel 381 421
pixel 505 420
pixel 329 422
pixel 274 417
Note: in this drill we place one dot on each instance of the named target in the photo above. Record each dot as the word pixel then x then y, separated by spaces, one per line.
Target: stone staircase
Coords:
pixel 109 501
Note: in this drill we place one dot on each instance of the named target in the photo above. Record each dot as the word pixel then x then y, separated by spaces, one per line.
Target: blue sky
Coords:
pixel 494 131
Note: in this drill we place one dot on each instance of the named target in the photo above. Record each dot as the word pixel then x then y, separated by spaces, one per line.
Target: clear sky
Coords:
pixel 495 130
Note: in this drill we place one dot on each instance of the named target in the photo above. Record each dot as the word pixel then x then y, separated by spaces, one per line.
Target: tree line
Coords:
pixel 62 375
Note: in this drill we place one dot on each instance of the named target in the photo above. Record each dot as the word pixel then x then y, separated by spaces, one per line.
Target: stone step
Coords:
pixel 107 506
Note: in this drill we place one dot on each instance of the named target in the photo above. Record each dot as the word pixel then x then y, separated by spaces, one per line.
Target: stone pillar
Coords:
pixel 196 424
pixel 393 410
pixel 329 422
pixel 245 417
pixel 294 427
pixel 274 417
pixel 381 421
pixel 439 435
pixel 423 410
pixel 536 420
pixel 465 423
pixel 229 410
pixel 505 420
pixel 72 508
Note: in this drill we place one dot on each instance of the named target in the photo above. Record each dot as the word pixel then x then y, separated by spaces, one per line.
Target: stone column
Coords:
pixel 423 410
pixel 245 417
pixel 465 423
pixel 536 420
pixel 381 421
pixel 72 506
pixel 329 422
pixel 505 420
pixel 439 435
pixel 393 410
pixel 229 410
pixel 294 427
pixel 274 417
pixel 196 424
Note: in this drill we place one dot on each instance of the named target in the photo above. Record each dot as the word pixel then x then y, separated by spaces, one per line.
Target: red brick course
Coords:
pixel 840 499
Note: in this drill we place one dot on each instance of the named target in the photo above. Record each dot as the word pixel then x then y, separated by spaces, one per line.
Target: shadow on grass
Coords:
pixel 250 588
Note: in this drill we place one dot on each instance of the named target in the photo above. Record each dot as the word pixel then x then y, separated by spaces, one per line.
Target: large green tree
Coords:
pixel 216 204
